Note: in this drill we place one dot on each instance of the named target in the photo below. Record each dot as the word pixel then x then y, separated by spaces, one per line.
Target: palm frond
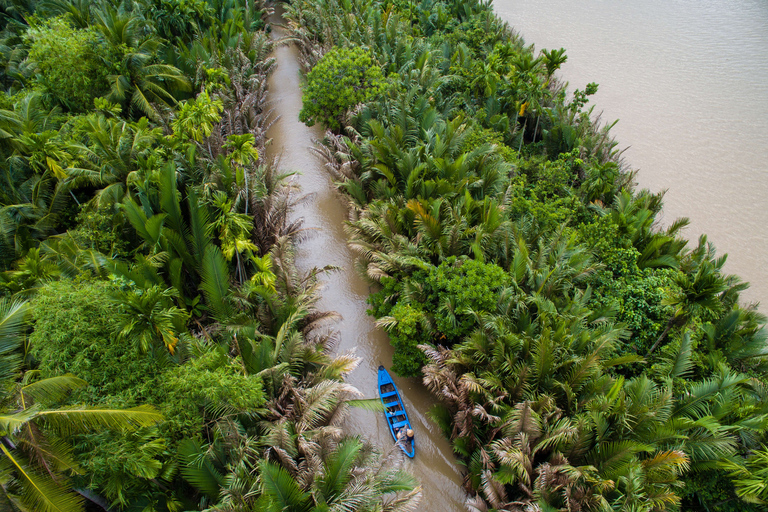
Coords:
pixel 40 493
pixel 71 421
pixel 215 283
pixel 52 389
pixel 198 470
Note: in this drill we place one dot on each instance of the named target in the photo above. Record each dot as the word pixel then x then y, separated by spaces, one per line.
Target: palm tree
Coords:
pixel 13 320
pixel 141 81
pixel 234 232
pixel 111 156
pixel 148 318
pixel 698 297
pixel 243 155
pixel 35 457
pixel 347 477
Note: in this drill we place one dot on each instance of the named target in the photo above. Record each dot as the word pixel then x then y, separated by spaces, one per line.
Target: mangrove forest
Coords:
pixel 161 349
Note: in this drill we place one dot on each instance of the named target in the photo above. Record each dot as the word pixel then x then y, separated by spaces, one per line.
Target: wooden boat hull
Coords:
pixel 394 410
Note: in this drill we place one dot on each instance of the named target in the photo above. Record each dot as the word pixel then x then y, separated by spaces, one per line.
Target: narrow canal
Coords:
pixel 345 291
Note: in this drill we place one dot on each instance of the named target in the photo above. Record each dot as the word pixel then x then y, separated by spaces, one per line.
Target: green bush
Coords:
pixel 74 332
pixel 211 383
pixel 460 287
pixel 100 230
pixel 68 63
pixel 343 78
pixel 405 336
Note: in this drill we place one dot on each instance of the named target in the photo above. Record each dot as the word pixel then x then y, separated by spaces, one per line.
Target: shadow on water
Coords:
pixel 345 291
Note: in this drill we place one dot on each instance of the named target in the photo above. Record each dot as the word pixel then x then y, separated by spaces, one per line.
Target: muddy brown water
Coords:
pixel 345 292
pixel 688 80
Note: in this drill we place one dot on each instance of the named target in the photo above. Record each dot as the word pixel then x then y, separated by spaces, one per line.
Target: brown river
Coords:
pixel 345 292
pixel 689 81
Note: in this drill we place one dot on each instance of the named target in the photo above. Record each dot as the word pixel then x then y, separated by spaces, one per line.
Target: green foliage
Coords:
pixel 197 117
pixel 535 375
pixel 181 19
pixel 481 136
pixel 123 466
pixel 99 229
pixel 750 476
pixel 459 291
pixel 712 491
pixel 147 318
pixel 209 385
pixel 638 297
pixel 405 336
pixel 68 62
pixel 76 332
pixel 343 78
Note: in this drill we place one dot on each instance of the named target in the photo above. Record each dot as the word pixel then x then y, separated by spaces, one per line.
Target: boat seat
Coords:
pixel 391 404
pixel 395 414
pixel 388 394
pixel 399 424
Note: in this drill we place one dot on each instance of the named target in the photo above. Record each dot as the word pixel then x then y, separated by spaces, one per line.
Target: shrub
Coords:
pixel 460 287
pixel 405 337
pixel 343 78
pixel 75 333
pixel 68 64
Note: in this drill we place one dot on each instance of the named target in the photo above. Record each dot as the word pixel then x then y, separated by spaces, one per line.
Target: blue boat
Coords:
pixel 394 408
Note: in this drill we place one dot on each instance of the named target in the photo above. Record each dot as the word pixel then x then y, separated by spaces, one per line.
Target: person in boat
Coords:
pixel 404 435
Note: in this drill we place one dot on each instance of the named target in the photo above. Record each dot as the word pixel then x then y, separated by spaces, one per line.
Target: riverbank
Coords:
pixel 345 292
pixel 574 347
pixel 692 106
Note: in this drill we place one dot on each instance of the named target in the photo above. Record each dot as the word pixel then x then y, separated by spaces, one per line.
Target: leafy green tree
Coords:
pixel 76 326
pixel 36 460
pixel 68 62
pixel 197 117
pixel 138 79
pixel 343 78
pixel 36 457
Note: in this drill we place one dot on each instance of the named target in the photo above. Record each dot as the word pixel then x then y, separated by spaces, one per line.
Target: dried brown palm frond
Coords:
pixel 271 206
pixel 337 158
pixel 409 502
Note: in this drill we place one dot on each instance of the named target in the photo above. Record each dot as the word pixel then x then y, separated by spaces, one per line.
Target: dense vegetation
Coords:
pixel 584 359
pixel 159 350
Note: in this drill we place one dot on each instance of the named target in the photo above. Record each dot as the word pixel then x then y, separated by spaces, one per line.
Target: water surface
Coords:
pixel 345 292
pixel 688 81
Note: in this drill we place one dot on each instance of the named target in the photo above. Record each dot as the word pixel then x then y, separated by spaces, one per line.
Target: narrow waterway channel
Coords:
pixel 345 291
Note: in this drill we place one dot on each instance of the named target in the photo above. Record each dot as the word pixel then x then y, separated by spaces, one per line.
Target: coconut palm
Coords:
pixel 141 82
